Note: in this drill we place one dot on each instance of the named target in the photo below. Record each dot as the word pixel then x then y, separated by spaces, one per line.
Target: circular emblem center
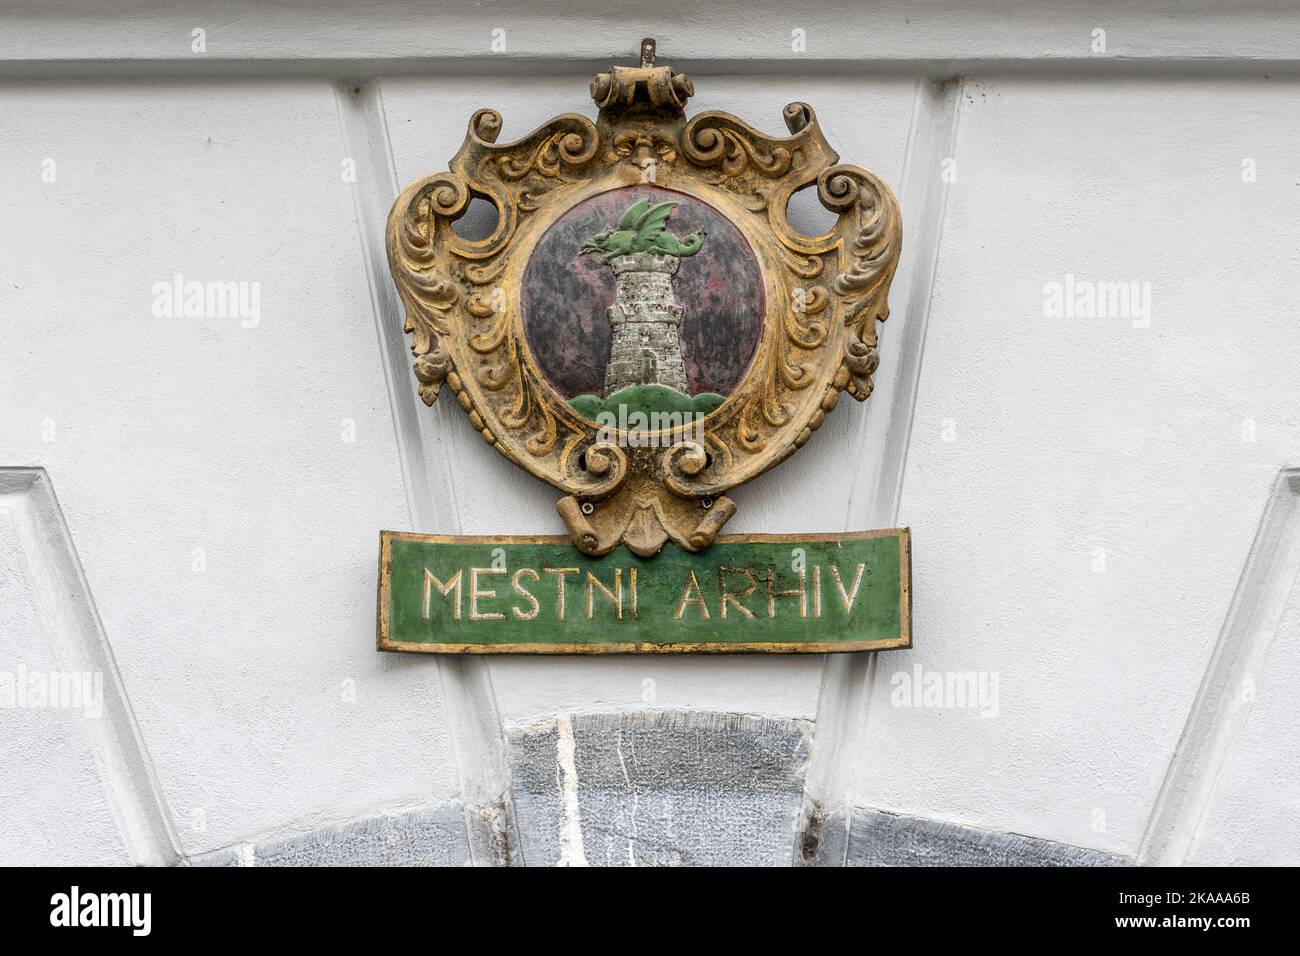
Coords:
pixel 644 298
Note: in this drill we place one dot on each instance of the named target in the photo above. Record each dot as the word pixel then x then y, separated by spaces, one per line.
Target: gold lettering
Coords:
pixel 691 585
pixel 851 596
pixel 817 590
pixel 523 592
pixel 475 594
pixel 773 593
pixel 737 596
pixel 631 586
pixel 594 585
pixel 431 582
pixel 559 587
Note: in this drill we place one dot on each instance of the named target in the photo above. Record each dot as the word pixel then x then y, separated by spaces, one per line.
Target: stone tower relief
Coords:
pixel 646 321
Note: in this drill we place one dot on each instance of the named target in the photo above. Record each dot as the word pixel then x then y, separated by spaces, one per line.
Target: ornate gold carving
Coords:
pixel 825 295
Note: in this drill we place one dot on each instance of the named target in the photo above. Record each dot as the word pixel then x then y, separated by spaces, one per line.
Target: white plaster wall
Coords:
pixel 227 530
pixel 1070 437
pixel 57 811
pixel 1036 444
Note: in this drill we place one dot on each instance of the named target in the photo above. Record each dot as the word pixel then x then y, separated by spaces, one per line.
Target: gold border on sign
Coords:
pixel 902 640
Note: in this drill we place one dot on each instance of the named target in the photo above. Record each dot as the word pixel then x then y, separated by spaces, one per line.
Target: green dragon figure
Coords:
pixel 643 229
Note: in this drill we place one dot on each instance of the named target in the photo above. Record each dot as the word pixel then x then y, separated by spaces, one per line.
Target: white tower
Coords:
pixel 646 320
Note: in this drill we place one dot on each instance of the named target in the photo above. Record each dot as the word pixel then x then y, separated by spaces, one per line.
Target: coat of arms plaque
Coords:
pixel 643 329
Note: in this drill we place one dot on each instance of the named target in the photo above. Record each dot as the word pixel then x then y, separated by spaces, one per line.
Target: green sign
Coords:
pixel 540 595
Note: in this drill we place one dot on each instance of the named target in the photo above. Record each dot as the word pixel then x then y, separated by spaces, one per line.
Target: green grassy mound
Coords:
pixel 646 399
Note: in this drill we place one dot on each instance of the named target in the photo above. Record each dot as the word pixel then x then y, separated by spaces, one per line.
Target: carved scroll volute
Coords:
pixel 872 235
pixel 824 295
pixel 416 238
pixel 451 286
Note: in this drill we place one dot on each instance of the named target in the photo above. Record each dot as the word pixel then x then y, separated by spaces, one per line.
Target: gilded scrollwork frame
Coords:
pixel 825 295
